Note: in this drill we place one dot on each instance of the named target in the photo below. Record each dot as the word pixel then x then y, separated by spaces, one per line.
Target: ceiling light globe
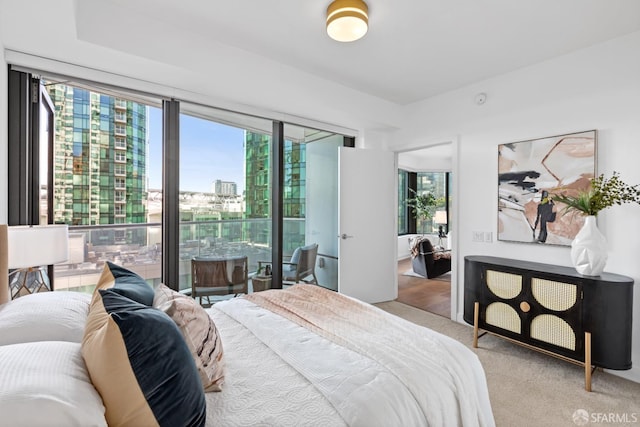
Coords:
pixel 347 20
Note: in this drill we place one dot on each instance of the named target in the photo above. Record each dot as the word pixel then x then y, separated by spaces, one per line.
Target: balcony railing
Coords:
pixel 138 247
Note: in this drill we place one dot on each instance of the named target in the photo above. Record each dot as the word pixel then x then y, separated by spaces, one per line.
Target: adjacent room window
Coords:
pixel 403 194
pixel 437 183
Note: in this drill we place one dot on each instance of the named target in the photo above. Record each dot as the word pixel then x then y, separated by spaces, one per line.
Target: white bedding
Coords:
pixel 280 373
pixel 260 389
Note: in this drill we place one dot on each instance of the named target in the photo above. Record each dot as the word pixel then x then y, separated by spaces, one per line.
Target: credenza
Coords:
pixel 585 320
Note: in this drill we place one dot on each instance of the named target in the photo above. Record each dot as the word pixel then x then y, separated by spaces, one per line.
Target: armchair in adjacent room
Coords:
pixel 429 262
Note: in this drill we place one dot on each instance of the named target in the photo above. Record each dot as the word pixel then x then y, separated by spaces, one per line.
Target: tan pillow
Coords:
pixel 199 332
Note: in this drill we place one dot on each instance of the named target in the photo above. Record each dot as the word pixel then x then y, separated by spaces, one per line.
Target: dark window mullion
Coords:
pixel 18 150
pixel 447 190
pixel 171 193
pixel 33 148
pixel 277 213
pixel 412 184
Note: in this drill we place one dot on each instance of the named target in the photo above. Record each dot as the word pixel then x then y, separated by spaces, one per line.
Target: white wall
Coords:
pixel 595 88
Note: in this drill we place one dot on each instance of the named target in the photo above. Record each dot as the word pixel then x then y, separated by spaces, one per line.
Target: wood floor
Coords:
pixel 432 295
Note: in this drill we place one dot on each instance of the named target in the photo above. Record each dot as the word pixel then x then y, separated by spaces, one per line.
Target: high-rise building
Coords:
pixel 100 158
pixel 257 175
pixel 258 180
pixel 225 188
pixel 257 188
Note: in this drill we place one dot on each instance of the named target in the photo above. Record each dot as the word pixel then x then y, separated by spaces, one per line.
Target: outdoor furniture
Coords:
pixel 301 267
pixel 219 276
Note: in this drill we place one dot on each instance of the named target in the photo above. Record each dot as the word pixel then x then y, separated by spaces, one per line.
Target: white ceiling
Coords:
pixel 434 158
pixel 414 49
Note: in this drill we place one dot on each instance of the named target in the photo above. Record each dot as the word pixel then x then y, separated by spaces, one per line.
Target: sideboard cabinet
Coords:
pixel 586 320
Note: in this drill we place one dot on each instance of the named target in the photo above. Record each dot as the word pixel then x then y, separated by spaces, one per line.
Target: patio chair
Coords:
pixel 219 276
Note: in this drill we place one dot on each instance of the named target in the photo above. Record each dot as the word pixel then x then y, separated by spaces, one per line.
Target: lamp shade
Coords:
pixel 32 246
pixel 440 217
pixel 347 20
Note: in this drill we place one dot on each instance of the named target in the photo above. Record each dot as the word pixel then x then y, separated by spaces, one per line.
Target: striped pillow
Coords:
pixel 199 332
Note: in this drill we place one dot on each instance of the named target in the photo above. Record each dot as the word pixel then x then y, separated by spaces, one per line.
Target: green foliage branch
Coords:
pixel 601 194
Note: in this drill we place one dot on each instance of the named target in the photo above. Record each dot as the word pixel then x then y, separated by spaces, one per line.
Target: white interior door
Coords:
pixel 367 224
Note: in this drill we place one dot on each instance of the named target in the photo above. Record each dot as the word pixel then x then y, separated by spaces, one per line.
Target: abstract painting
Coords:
pixel 530 173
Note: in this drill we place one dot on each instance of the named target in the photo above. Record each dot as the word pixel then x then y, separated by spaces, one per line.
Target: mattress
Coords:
pixel 309 356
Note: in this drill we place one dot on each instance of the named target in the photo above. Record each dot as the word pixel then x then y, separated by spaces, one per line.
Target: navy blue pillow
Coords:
pixel 140 364
pixel 127 283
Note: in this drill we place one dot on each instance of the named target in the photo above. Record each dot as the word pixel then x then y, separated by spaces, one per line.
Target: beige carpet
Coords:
pixel 528 388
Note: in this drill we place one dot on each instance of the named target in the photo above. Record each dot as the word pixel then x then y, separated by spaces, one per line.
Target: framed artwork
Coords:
pixel 529 173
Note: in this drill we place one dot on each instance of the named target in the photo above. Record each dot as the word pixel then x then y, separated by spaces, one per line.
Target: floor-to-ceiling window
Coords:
pixel 108 165
pixel 436 184
pixel 104 157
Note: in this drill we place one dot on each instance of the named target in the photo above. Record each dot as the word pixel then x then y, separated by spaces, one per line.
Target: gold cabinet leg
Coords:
pixel 587 361
pixel 476 314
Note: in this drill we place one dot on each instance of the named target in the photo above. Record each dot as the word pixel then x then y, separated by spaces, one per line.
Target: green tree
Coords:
pixel 424 205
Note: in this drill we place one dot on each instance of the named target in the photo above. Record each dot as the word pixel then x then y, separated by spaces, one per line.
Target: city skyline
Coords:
pixel 209 151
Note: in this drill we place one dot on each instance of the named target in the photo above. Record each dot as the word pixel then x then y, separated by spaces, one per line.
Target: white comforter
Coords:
pixel 389 373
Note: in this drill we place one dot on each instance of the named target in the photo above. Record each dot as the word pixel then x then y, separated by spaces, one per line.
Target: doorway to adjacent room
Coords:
pixel 422 171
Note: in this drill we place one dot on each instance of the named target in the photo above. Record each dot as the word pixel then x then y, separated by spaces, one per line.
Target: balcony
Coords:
pixel 120 130
pixel 120 143
pixel 138 247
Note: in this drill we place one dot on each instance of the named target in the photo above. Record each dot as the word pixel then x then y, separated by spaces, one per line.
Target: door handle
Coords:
pixel 344 236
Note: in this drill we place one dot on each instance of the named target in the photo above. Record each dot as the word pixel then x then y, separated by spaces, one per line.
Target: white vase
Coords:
pixel 589 249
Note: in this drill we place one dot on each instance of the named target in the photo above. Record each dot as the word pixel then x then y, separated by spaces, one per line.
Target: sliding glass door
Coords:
pixel 225 188
pixel 310 202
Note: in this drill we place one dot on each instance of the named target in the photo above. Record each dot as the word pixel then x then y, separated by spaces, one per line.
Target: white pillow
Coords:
pixel 46 384
pixel 45 316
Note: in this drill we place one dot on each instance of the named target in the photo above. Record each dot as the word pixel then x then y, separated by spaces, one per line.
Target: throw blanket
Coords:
pixel 399 373
pixel 438 251
pixel 415 245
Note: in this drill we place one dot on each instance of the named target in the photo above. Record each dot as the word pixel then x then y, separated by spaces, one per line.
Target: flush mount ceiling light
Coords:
pixel 347 20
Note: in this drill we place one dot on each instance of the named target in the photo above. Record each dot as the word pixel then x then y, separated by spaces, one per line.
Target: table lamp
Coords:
pixel 30 247
pixel 440 218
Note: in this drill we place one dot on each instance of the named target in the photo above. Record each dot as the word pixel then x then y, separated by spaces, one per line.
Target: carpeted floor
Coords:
pixel 528 388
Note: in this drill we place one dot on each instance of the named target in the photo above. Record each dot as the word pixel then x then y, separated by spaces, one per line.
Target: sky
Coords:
pixel 209 151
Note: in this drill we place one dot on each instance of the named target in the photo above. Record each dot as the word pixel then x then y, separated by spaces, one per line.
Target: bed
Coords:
pixel 304 356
